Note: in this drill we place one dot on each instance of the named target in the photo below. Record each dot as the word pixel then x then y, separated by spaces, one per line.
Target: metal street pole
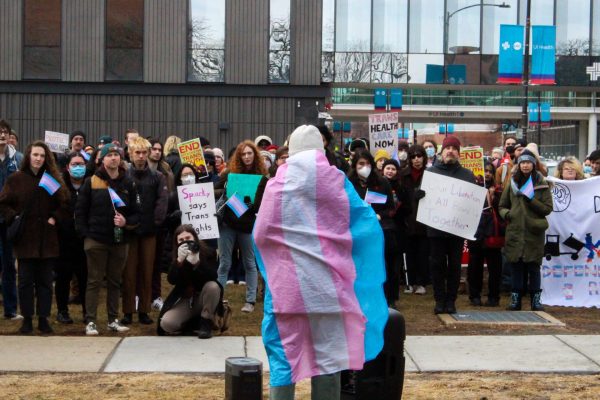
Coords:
pixel 526 72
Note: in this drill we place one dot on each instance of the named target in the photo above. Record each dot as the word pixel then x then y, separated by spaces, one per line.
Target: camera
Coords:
pixel 193 246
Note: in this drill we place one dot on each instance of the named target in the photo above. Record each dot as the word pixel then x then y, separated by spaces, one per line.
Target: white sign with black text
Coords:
pixel 197 205
pixel 56 141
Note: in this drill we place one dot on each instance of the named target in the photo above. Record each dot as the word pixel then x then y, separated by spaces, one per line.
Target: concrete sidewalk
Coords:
pixel 534 354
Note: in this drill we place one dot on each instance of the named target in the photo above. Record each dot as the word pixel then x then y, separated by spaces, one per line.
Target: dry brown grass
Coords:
pixel 477 386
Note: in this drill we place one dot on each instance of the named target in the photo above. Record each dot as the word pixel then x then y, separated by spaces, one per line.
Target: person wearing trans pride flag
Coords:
pixel 320 248
pixel 37 195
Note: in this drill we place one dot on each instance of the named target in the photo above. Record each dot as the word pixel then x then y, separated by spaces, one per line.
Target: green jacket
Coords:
pixel 526 229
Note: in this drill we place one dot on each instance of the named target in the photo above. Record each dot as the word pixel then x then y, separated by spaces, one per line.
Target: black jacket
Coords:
pixel 403 203
pixel 70 242
pixel 151 199
pixel 94 214
pixel 387 210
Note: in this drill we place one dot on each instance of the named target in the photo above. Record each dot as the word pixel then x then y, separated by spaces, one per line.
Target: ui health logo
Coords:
pixel 593 71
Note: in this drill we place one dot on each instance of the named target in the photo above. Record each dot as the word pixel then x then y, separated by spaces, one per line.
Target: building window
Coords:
pixel 426 27
pixel 206 41
pixel 279 41
pixel 573 27
pixel 42 39
pixel 493 17
pixel 124 40
pixel 596 28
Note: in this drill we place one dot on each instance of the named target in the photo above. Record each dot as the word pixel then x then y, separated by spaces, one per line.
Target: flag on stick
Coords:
pixel 50 184
pixel 237 205
pixel 375 198
pixel 85 155
pixel 527 188
pixel 114 197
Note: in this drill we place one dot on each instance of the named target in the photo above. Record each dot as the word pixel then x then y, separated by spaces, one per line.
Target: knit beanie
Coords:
pixel 382 154
pixel 76 133
pixel 305 137
pixel 527 155
pixel 391 162
pixel 218 153
pixel 262 137
pixel 451 140
pixel 105 140
pixel 107 149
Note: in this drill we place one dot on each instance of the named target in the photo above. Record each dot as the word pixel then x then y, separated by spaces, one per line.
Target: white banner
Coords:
pixel 451 205
pixel 383 133
pixel 571 266
pixel 56 141
pixel 197 205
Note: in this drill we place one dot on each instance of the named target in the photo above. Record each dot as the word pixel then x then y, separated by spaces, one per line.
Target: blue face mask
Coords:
pixel 587 169
pixel 77 171
pixel 430 152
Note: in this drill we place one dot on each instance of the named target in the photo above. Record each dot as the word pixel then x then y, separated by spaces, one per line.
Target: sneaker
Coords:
pixel 157 304
pixel 408 290
pixel 248 308
pixel 145 319
pixel 242 283
pixel 229 282
pixel 420 290
pixel 116 326
pixel 91 330
pixel 14 317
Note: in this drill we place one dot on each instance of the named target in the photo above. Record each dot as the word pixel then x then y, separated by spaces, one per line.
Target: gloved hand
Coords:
pixel 419 194
pixel 193 258
pixel 182 252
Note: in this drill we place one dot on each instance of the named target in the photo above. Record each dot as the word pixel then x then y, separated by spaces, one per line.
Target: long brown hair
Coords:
pixel 206 253
pixel 236 165
pixel 49 166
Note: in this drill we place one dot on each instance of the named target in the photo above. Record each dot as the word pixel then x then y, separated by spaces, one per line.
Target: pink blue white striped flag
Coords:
pixel 375 197
pixel 50 184
pixel 527 188
pixel 114 197
pixel 237 205
pixel 85 155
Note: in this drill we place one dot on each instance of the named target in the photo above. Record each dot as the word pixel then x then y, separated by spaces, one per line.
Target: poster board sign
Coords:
pixel 472 158
pixel 197 205
pixel 571 264
pixel 383 133
pixel 243 184
pixel 56 141
pixel 190 152
pixel 451 205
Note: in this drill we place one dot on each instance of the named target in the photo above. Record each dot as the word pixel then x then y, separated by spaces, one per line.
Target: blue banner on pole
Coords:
pixel 347 127
pixel 435 74
pixel 533 112
pixel 457 74
pixel 446 128
pixel 510 55
pixel 543 55
pixel 380 99
pixel 545 116
pixel 396 100
pixel 337 126
pixel 403 133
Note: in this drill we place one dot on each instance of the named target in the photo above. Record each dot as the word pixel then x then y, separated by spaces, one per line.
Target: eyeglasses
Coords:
pixel 416 156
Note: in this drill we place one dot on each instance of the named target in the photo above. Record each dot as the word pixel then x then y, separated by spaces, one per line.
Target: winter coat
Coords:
pixel 151 199
pixel 38 239
pixel 187 281
pixel 70 241
pixel 10 164
pixel 387 210
pixel 413 228
pixel 527 224
pixel 454 171
pixel 486 226
pixel 174 162
pixel 403 204
pixel 337 160
pixel 94 213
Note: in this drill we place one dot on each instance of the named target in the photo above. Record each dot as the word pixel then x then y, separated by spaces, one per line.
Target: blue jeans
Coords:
pixel 9 276
pixel 226 244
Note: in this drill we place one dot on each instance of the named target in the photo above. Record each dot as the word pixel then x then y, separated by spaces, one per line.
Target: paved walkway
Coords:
pixel 535 353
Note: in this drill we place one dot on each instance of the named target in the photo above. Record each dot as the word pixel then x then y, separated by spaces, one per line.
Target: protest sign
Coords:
pixel 243 184
pixel 383 133
pixel 190 152
pixel 451 205
pixel 197 205
pixel 472 158
pixel 56 141
pixel 571 265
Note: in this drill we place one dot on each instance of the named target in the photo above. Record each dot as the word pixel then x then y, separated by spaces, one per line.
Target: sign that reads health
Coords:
pixel 451 205
pixel 383 133
pixel 197 205
pixel 190 152
pixel 56 141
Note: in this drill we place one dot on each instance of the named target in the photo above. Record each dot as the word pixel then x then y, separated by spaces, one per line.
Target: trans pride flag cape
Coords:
pixel 319 247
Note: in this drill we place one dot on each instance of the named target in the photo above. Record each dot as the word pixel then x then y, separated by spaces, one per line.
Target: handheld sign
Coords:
pixel 383 133
pixel 56 141
pixel 197 205
pixel 472 158
pixel 243 184
pixel 451 205
pixel 190 152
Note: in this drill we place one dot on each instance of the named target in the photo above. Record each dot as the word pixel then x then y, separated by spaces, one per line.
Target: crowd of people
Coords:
pixel 105 214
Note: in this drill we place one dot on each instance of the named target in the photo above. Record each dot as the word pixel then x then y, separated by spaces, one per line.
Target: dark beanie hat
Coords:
pixel 392 162
pixel 451 140
pixel 527 155
pixel 77 133
pixel 105 140
pixel 107 149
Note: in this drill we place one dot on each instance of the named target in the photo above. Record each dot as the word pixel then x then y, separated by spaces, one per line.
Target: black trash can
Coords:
pixel 383 377
pixel 243 379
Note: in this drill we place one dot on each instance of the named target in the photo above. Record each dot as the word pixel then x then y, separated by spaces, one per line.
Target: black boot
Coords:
pixel 205 331
pixel 26 326
pixel 440 307
pixel 127 319
pixel 63 317
pixel 515 302
pixel 450 307
pixel 536 304
pixel 145 319
pixel 44 326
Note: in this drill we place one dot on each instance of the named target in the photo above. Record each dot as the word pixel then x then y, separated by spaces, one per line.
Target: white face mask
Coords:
pixel 402 156
pixel 364 171
pixel 188 180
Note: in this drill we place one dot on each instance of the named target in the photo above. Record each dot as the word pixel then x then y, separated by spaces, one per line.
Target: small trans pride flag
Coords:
pixel 114 197
pixel 85 155
pixel 237 205
pixel 375 198
pixel 50 184
pixel 527 188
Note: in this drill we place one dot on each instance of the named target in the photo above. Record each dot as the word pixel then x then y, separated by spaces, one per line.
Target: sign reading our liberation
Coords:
pixel 197 205
pixel 383 133
pixel 451 205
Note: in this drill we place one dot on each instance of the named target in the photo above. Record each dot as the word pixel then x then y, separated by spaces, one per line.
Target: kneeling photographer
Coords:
pixel 191 305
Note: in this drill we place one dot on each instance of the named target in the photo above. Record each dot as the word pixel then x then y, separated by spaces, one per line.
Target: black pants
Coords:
pixel 65 268
pixel 493 257
pixel 35 283
pixel 417 260
pixel 445 255
pixel 519 283
pixel 391 287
